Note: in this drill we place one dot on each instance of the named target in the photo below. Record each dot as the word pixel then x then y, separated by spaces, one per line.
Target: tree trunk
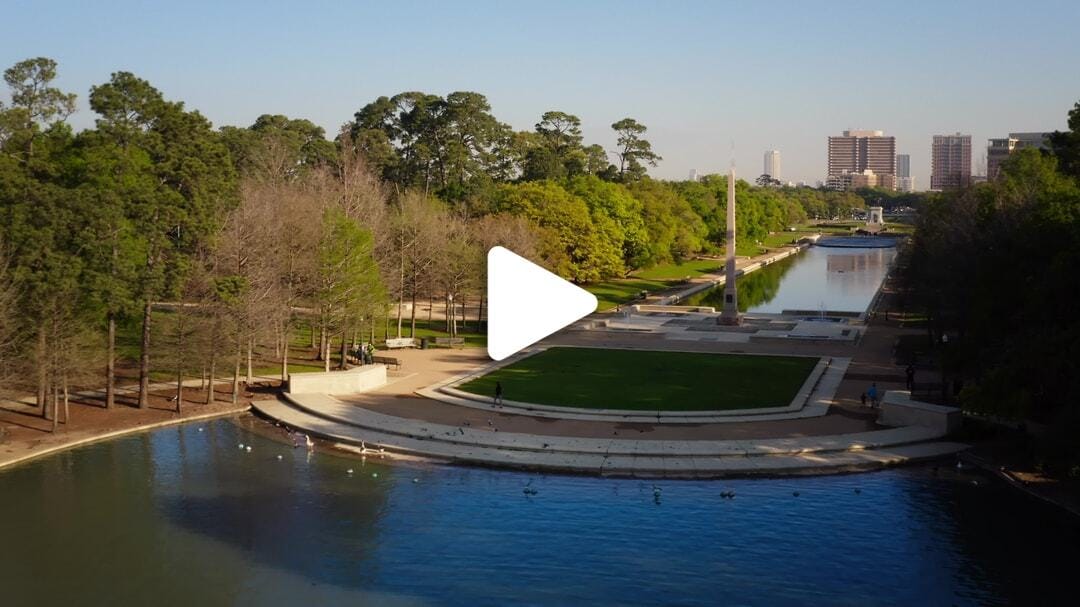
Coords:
pixel 250 348
pixel 412 319
pixel 326 352
pixel 144 358
pixel 480 315
pixel 179 386
pixel 236 371
pixel 311 332
pixel 344 351
pixel 431 308
pixel 110 364
pixel 42 387
pixel 285 356
pixel 211 396
pixel 67 401
pixel 55 413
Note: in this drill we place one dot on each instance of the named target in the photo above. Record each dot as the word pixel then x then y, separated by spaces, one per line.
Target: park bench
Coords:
pixel 450 341
pixel 400 342
pixel 389 361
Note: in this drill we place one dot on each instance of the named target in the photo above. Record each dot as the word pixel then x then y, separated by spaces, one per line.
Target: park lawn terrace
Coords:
pixel 638 380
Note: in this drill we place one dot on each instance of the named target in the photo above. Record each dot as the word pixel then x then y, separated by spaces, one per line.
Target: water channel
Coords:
pixel 820 278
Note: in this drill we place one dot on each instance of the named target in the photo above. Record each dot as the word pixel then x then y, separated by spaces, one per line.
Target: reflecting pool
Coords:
pixel 182 516
pixel 820 278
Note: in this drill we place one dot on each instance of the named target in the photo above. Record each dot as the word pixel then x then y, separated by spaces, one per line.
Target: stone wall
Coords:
pixel 898 409
pixel 354 380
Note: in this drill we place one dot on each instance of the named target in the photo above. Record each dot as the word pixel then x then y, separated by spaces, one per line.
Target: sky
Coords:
pixel 710 80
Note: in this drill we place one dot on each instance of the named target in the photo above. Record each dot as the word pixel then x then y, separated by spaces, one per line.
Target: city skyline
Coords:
pixel 314 65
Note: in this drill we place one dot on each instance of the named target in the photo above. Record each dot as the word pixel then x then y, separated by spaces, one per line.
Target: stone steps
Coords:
pixel 616 457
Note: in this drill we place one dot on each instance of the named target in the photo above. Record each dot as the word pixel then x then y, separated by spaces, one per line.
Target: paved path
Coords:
pixel 329 418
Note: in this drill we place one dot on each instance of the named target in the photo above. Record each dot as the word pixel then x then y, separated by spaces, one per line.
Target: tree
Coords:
pixel 35 103
pixel 348 286
pixel 195 181
pixel 1066 144
pixel 633 149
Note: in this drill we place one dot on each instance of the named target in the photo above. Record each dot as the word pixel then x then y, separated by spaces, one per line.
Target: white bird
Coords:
pixel 374 475
pixel 310 443
pixel 349 471
pixel 279 457
pixel 416 480
pixel 248 449
pixel 240 446
pixel 200 429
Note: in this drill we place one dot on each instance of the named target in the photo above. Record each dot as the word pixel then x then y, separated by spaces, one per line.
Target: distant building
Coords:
pixel 865 179
pixel 772 164
pixel 999 149
pixel 903 165
pixel 950 162
pixel 693 175
pixel 863 153
pixel 905 184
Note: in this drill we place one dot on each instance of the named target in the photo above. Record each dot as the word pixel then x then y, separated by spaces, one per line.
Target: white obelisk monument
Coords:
pixel 730 313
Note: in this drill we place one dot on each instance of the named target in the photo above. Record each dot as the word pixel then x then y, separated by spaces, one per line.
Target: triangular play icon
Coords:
pixel 526 303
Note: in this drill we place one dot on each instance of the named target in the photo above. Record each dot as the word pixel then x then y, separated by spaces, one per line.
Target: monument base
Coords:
pixel 730 320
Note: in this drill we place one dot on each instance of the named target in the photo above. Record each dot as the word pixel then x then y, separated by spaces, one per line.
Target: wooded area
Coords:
pixel 248 233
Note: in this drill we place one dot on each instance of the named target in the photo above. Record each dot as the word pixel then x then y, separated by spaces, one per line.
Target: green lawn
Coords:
pixel 678 271
pixel 618 291
pixel 648 380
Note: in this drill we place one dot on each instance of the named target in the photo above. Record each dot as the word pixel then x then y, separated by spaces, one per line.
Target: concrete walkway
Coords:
pixel 330 418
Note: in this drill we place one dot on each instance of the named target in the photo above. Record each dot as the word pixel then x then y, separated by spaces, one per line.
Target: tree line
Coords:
pixel 244 234
pixel 994 266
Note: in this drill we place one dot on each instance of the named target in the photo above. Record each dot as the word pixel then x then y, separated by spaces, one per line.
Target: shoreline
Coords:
pixel 24 454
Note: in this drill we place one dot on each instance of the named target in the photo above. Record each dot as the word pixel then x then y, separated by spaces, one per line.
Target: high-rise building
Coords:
pixel 1000 149
pixel 693 175
pixel 950 162
pixel 856 152
pixel 905 184
pixel 903 165
pixel 772 164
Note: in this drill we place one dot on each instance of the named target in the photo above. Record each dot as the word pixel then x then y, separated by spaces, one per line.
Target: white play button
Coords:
pixel 526 303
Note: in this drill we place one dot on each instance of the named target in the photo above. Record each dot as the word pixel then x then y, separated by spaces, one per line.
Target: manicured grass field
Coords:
pixel 610 293
pixel 675 271
pixel 648 381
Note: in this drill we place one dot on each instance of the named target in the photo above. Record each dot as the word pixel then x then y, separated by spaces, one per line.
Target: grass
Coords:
pixel 648 380
pixel 678 271
pixel 610 293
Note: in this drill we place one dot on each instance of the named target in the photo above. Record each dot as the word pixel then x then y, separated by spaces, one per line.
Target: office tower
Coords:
pixel 693 175
pixel 903 165
pixel 950 162
pixel 999 149
pixel 867 153
pixel 772 164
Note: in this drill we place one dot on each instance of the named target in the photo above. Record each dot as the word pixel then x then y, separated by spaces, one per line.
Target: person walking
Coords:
pixel 498 393
pixel 910 373
pixel 872 393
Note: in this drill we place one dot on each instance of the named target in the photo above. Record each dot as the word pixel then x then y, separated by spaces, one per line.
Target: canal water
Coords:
pixel 820 278
pixel 182 516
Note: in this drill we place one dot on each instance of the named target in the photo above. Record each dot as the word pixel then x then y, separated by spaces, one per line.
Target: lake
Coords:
pixel 182 516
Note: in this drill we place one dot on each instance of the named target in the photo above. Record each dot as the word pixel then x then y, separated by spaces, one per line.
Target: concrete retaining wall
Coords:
pixel 897 409
pixel 338 382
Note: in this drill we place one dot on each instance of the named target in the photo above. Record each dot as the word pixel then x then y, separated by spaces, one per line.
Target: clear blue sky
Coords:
pixel 700 75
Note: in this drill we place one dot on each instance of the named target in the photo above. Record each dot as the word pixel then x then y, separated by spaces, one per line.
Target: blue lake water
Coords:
pixel 183 517
pixel 820 278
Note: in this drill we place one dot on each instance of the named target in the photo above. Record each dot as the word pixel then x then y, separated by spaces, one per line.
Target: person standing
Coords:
pixel 910 373
pixel 498 393
pixel 872 393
